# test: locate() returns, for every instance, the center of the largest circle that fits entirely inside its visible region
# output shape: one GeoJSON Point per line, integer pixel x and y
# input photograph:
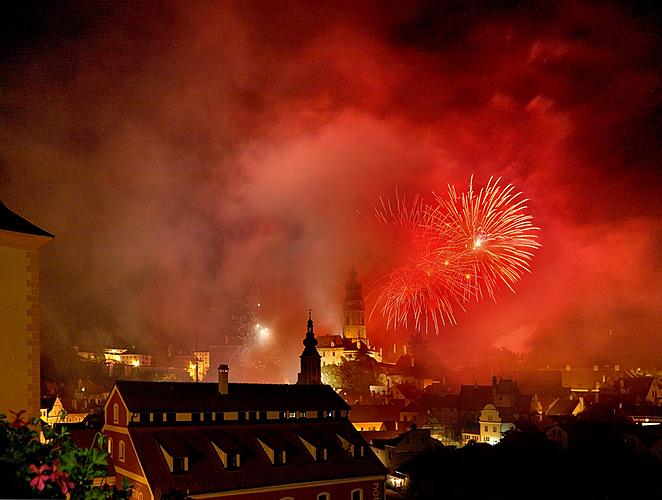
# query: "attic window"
{"type": "Point", "coordinates": [177, 464]}
{"type": "Point", "coordinates": [231, 459]}
{"type": "Point", "coordinates": [116, 413]}
{"type": "Point", "coordinates": [353, 450]}
{"type": "Point", "coordinates": [276, 456]}
{"type": "Point", "coordinates": [318, 452]}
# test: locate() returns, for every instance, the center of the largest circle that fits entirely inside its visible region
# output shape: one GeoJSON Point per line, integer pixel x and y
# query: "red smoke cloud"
{"type": "Point", "coordinates": [188, 156]}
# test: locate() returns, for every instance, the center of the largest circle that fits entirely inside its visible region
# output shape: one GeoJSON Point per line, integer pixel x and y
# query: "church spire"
{"type": "Point", "coordinates": [310, 358]}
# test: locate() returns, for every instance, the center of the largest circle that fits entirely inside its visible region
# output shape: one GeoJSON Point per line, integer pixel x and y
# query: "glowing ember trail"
{"type": "Point", "coordinates": [459, 250]}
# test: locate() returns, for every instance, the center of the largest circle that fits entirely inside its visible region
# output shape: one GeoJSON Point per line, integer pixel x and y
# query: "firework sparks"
{"type": "Point", "coordinates": [489, 232]}
{"type": "Point", "coordinates": [463, 248]}
{"type": "Point", "coordinates": [417, 287]}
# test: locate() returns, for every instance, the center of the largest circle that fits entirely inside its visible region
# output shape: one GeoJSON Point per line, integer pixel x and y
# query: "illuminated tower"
{"type": "Point", "coordinates": [310, 358]}
{"type": "Point", "coordinates": [19, 313]}
{"type": "Point", "coordinates": [354, 308]}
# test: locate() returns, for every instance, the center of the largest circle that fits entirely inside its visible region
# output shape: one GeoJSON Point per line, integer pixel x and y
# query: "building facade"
{"type": "Point", "coordinates": [20, 242]}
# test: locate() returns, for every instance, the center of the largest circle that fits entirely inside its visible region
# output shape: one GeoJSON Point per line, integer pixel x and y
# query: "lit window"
{"type": "Point", "coordinates": [122, 451]}
{"type": "Point", "coordinates": [116, 413]}
{"type": "Point", "coordinates": [357, 494]}
{"type": "Point", "coordinates": [110, 446]}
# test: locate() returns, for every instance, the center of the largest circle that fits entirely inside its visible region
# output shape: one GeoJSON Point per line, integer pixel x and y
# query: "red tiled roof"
{"type": "Point", "coordinates": [204, 397]}
{"type": "Point", "coordinates": [326, 340]}
{"type": "Point", "coordinates": [207, 474]}
{"type": "Point", "coordinates": [374, 413]}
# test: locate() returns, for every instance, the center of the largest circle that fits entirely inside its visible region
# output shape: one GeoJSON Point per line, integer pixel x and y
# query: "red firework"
{"type": "Point", "coordinates": [463, 248]}
{"type": "Point", "coordinates": [416, 286]}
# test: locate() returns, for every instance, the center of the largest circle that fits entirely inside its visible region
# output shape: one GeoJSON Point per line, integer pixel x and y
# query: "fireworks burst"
{"type": "Point", "coordinates": [461, 249]}
{"type": "Point", "coordinates": [416, 288]}
{"type": "Point", "coordinates": [489, 232]}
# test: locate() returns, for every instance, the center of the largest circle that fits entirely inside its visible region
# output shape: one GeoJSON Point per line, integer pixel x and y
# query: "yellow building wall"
{"type": "Point", "coordinates": [19, 330]}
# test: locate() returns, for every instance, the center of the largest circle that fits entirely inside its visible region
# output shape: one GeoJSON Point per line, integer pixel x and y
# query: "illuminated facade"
{"type": "Point", "coordinates": [354, 309]}
{"type": "Point", "coordinates": [354, 342]}
{"type": "Point", "coordinates": [19, 312]}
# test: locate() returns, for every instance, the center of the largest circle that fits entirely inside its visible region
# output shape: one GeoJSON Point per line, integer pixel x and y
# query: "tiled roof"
{"type": "Point", "coordinates": [638, 385]}
{"type": "Point", "coordinates": [207, 474]}
{"type": "Point", "coordinates": [407, 390]}
{"type": "Point", "coordinates": [326, 340]}
{"type": "Point", "coordinates": [475, 397]}
{"type": "Point", "coordinates": [562, 407]}
{"type": "Point", "coordinates": [9, 221]}
{"type": "Point", "coordinates": [432, 401]}
{"type": "Point", "coordinates": [374, 413]}
{"type": "Point", "coordinates": [204, 397]}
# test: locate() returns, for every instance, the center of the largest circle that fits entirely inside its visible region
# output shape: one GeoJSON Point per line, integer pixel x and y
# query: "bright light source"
{"type": "Point", "coordinates": [262, 332]}
{"type": "Point", "coordinates": [135, 362]}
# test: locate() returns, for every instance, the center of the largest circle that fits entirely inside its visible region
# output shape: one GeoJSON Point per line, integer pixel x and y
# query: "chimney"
{"type": "Point", "coordinates": [223, 379]}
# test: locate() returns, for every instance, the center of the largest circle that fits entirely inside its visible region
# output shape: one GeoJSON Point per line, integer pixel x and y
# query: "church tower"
{"type": "Point", "coordinates": [354, 309]}
{"type": "Point", "coordinates": [310, 358]}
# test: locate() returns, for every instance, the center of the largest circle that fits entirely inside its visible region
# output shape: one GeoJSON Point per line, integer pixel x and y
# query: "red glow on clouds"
{"type": "Point", "coordinates": [185, 156]}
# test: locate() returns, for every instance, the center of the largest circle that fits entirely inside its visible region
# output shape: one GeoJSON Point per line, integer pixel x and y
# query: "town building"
{"type": "Point", "coordinates": [354, 341]}
{"type": "Point", "coordinates": [20, 242]}
{"type": "Point", "coordinates": [235, 440]}
{"type": "Point", "coordinates": [53, 412]}
{"type": "Point", "coordinates": [395, 451]}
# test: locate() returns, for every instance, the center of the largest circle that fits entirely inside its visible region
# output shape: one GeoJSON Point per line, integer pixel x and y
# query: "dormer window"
{"type": "Point", "coordinates": [318, 451]}
{"type": "Point", "coordinates": [230, 458]}
{"type": "Point", "coordinates": [116, 413]}
{"type": "Point", "coordinates": [178, 463]}
{"type": "Point", "coordinates": [277, 455]}
{"type": "Point", "coordinates": [280, 458]}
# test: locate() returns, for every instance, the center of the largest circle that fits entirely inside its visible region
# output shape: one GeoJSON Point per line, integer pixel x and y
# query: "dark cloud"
{"type": "Point", "coordinates": [186, 155]}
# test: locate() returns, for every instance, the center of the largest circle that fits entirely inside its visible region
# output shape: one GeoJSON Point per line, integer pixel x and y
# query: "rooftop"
{"type": "Point", "coordinates": [206, 472]}
{"type": "Point", "coordinates": [9, 221]}
{"type": "Point", "coordinates": [205, 397]}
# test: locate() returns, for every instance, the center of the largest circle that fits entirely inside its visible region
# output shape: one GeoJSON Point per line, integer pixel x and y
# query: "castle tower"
{"type": "Point", "coordinates": [354, 308]}
{"type": "Point", "coordinates": [311, 371]}
{"type": "Point", "coordinates": [19, 313]}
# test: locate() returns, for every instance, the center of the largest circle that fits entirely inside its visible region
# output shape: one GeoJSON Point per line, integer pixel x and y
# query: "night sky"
{"type": "Point", "coordinates": [194, 159]}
